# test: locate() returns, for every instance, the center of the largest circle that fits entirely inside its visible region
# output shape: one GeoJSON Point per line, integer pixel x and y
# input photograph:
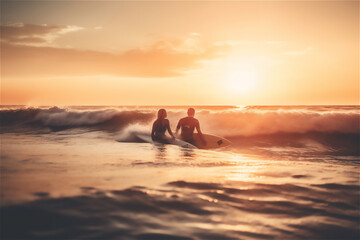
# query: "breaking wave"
{"type": "Point", "coordinates": [57, 119]}
{"type": "Point", "coordinates": [255, 122]}
{"type": "Point", "coordinates": [322, 129]}
{"type": "Point", "coordinates": [250, 121]}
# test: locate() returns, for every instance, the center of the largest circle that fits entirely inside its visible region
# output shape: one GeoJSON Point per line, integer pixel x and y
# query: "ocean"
{"type": "Point", "coordinates": [291, 172]}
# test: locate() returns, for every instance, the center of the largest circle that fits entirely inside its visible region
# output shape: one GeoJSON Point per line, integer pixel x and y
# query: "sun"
{"type": "Point", "coordinates": [241, 80]}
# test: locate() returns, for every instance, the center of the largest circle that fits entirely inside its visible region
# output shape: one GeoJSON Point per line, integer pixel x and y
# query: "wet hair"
{"type": "Point", "coordinates": [191, 112]}
{"type": "Point", "coordinates": [162, 113]}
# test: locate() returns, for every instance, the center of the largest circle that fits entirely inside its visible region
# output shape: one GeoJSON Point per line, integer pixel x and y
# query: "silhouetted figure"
{"type": "Point", "coordinates": [160, 126]}
{"type": "Point", "coordinates": [187, 125]}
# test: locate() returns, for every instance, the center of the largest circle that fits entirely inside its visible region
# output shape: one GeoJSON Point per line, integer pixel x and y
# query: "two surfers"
{"type": "Point", "coordinates": [187, 125]}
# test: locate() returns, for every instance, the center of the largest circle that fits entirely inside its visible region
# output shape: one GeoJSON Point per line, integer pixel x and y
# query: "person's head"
{"type": "Point", "coordinates": [162, 114]}
{"type": "Point", "coordinates": [191, 112]}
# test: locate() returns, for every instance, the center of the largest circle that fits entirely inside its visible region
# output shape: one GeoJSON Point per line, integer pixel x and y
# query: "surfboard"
{"type": "Point", "coordinates": [211, 141]}
{"type": "Point", "coordinates": [146, 137]}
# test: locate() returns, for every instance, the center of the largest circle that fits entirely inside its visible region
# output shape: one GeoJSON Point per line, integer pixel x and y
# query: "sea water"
{"type": "Point", "coordinates": [292, 172]}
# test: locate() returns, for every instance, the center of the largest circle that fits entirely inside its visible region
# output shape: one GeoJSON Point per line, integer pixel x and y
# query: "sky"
{"type": "Point", "coordinates": [179, 52]}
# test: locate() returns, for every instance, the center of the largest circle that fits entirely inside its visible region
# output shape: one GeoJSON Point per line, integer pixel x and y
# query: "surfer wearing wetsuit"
{"type": "Point", "coordinates": [187, 125]}
{"type": "Point", "coordinates": [160, 126]}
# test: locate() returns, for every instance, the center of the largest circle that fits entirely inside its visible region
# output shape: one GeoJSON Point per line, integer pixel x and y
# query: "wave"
{"type": "Point", "coordinates": [213, 208]}
{"type": "Point", "coordinates": [255, 122]}
{"type": "Point", "coordinates": [274, 130]}
{"type": "Point", "coordinates": [231, 122]}
{"type": "Point", "coordinates": [57, 119]}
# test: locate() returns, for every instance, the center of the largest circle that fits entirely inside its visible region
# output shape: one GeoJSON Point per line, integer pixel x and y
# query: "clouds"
{"type": "Point", "coordinates": [30, 50]}
{"type": "Point", "coordinates": [266, 46]}
{"type": "Point", "coordinates": [298, 52]}
{"type": "Point", "coordinates": [33, 35]}
{"type": "Point", "coordinates": [233, 43]}
{"type": "Point", "coordinates": [26, 51]}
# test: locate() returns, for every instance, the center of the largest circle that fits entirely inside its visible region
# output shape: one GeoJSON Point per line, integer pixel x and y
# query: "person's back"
{"type": "Point", "coordinates": [187, 125]}
{"type": "Point", "coordinates": [160, 125]}
{"type": "Point", "coordinates": [159, 128]}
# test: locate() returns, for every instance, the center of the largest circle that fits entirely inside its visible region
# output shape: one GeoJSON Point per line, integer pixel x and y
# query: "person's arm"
{"type": "Point", "coordinates": [169, 129]}
{"type": "Point", "coordinates": [197, 126]}
{"type": "Point", "coordinates": [153, 130]}
{"type": "Point", "coordinates": [178, 127]}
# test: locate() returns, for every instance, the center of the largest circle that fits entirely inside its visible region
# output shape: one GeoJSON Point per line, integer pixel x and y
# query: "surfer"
{"type": "Point", "coordinates": [187, 125]}
{"type": "Point", "coordinates": [160, 126]}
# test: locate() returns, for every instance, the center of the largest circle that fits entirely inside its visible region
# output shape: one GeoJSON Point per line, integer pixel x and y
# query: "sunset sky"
{"type": "Point", "coordinates": [179, 53]}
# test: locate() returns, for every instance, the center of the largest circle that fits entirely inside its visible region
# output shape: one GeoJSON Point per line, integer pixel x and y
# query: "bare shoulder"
{"type": "Point", "coordinates": [156, 123]}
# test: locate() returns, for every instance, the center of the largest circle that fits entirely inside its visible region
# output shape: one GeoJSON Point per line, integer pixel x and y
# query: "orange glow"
{"type": "Point", "coordinates": [180, 53]}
